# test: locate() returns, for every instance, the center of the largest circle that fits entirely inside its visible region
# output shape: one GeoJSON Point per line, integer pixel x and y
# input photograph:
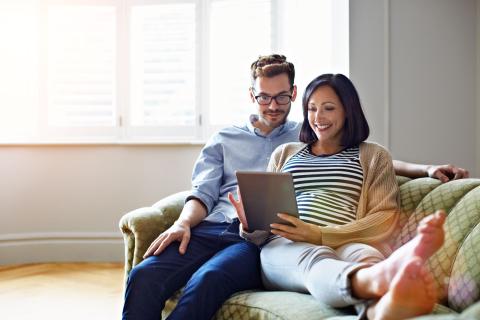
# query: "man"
{"type": "Point", "coordinates": [202, 251]}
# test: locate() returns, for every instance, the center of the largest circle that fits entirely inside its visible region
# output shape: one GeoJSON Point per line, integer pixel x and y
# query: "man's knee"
{"type": "Point", "coordinates": [141, 275]}
{"type": "Point", "coordinates": [237, 267]}
{"type": "Point", "coordinates": [248, 252]}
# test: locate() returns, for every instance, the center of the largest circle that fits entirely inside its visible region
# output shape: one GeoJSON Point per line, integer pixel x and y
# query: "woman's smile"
{"type": "Point", "coordinates": [326, 116]}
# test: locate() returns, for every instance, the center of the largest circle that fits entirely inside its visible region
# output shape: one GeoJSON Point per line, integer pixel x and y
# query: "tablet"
{"type": "Point", "coordinates": [264, 194]}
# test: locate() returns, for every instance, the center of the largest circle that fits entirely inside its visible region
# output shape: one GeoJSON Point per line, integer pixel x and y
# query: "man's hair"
{"type": "Point", "coordinates": [271, 66]}
{"type": "Point", "coordinates": [355, 128]}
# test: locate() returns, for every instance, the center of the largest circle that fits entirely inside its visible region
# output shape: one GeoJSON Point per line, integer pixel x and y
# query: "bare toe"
{"type": "Point", "coordinates": [409, 294]}
{"type": "Point", "coordinates": [429, 239]}
{"type": "Point", "coordinates": [436, 219]}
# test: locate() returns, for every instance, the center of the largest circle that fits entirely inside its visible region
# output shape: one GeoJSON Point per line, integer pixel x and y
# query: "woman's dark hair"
{"type": "Point", "coordinates": [355, 128]}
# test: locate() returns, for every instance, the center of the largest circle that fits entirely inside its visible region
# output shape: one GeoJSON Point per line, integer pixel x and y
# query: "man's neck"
{"type": "Point", "coordinates": [264, 128]}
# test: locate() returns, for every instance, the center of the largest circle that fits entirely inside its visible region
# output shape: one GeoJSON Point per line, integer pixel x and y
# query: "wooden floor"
{"type": "Point", "coordinates": [61, 291]}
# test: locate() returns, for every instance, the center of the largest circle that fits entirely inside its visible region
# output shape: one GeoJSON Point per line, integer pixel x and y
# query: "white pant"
{"type": "Point", "coordinates": [319, 270]}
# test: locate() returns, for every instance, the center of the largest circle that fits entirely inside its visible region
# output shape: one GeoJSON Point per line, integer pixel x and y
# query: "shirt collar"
{"type": "Point", "coordinates": [275, 132]}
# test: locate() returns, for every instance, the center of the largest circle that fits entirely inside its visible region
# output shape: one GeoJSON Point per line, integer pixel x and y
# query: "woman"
{"type": "Point", "coordinates": [347, 199]}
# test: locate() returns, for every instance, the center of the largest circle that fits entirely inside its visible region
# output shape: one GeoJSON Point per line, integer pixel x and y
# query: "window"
{"type": "Point", "coordinates": [239, 32]}
{"type": "Point", "coordinates": [81, 61]}
{"type": "Point", "coordinates": [19, 65]}
{"type": "Point", "coordinates": [152, 70]}
{"type": "Point", "coordinates": [163, 83]}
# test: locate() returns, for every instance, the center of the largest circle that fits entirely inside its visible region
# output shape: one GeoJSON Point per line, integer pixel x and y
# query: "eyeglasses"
{"type": "Point", "coordinates": [280, 99]}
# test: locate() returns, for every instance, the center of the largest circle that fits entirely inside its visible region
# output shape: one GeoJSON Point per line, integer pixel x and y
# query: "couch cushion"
{"type": "Point", "coordinates": [282, 305]}
{"type": "Point", "coordinates": [461, 200]}
{"type": "Point", "coordinates": [411, 193]}
{"type": "Point", "coordinates": [276, 305]}
{"type": "Point", "coordinates": [464, 280]}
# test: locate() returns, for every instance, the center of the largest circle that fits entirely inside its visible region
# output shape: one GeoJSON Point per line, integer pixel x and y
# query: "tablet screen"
{"type": "Point", "coordinates": [264, 194]}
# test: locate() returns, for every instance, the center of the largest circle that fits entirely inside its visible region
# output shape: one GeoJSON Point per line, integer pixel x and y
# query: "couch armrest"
{"type": "Point", "coordinates": [141, 226]}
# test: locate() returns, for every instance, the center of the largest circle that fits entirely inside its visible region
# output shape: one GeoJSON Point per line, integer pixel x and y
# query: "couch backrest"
{"type": "Point", "coordinates": [456, 266]}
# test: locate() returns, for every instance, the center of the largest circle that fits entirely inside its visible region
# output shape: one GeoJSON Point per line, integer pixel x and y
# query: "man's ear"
{"type": "Point", "coordinates": [294, 93]}
{"type": "Point", "coordinates": [252, 96]}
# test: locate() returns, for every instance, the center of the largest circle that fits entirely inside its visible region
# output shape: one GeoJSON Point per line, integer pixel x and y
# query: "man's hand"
{"type": "Point", "coordinates": [238, 205]}
{"type": "Point", "coordinates": [447, 172]}
{"type": "Point", "coordinates": [301, 232]}
{"type": "Point", "coordinates": [178, 232]}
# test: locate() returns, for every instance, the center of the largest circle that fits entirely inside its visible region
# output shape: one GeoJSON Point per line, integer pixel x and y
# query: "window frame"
{"type": "Point", "coordinates": [88, 134]}
{"type": "Point", "coordinates": [122, 131]}
{"type": "Point", "coordinates": [161, 134]}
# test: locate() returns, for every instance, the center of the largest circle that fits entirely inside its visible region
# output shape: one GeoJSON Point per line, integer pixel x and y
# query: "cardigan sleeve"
{"type": "Point", "coordinates": [378, 219]}
{"type": "Point", "coordinates": [281, 155]}
{"type": "Point", "coordinates": [273, 163]}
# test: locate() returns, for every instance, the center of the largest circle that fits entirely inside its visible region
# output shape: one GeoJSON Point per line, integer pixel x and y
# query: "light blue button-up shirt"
{"type": "Point", "coordinates": [231, 149]}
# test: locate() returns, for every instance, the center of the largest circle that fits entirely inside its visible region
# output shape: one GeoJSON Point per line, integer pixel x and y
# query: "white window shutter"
{"type": "Point", "coordinates": [240, 31]}
{"type": "Point", "coordinates": [81, 66]}
{"type": "Point", "coordinates": [163, 65]}
{"type": "Point", "coordinates": [19, 63]}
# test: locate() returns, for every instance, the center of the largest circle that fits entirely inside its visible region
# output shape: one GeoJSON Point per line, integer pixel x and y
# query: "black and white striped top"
{"type": "Point", "coordinates": [327, 187]}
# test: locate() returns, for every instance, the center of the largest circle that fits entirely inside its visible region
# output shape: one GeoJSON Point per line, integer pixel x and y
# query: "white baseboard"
{"type": "Point", "coordinates": [61, 247]}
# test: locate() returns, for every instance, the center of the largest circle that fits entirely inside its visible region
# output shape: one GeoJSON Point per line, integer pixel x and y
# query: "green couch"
{"type": "Point", "coordinates": [456, 266]}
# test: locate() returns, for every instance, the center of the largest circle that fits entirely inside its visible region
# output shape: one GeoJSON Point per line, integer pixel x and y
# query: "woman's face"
{"type": "Point", "coordinates": [326, 115]}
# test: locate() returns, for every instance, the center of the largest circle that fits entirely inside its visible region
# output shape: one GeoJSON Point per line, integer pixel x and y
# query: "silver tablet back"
{"type": "Point", "coordinates": [264, 194]}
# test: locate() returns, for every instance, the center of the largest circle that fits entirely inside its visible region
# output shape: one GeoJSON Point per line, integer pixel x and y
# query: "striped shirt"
{"type": "Point", "coordinates": [327, 188]}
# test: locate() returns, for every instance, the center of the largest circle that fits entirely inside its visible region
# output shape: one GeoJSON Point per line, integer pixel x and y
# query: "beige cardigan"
{"type": "Point", "coordinates": [377, 211]}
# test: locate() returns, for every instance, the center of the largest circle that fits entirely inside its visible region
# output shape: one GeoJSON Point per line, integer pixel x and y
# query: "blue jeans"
{"type": "Point", "coordinates": [217, 264]}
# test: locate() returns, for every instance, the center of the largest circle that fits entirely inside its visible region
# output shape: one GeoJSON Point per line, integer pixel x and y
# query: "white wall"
{"type": "Point", "coordinates": [413, 62]}
{"type": "Point", "coordinates": [433, 81]}
{"type": "Point", "coordinates": [477, 87]}
{"type": "Point", "coordinates": [369, 62]}
{"type": "Point", "coordinates": [63, 203]}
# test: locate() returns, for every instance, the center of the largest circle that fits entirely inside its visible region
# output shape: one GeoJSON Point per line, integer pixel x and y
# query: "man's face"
{"type": "Point", "coordinates": [273, 114]}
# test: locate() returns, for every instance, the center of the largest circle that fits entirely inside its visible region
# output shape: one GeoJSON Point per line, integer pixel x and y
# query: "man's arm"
{"type": "Point", "coordinates": [206, 180]}
{"type": "Point", "coordinates": [192, 214]}
{"type": "Point", "coordinates": [444, 173]}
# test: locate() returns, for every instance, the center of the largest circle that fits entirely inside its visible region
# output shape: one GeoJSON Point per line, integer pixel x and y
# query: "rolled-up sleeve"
{"type": "Point", "coordinates": [208, 174]}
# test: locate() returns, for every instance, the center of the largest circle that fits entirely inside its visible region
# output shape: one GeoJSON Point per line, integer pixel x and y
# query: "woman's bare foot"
{"type": "Point", "coordinates": [374, 281]}
{"type": "Point", "coordinates": [411, 293]}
